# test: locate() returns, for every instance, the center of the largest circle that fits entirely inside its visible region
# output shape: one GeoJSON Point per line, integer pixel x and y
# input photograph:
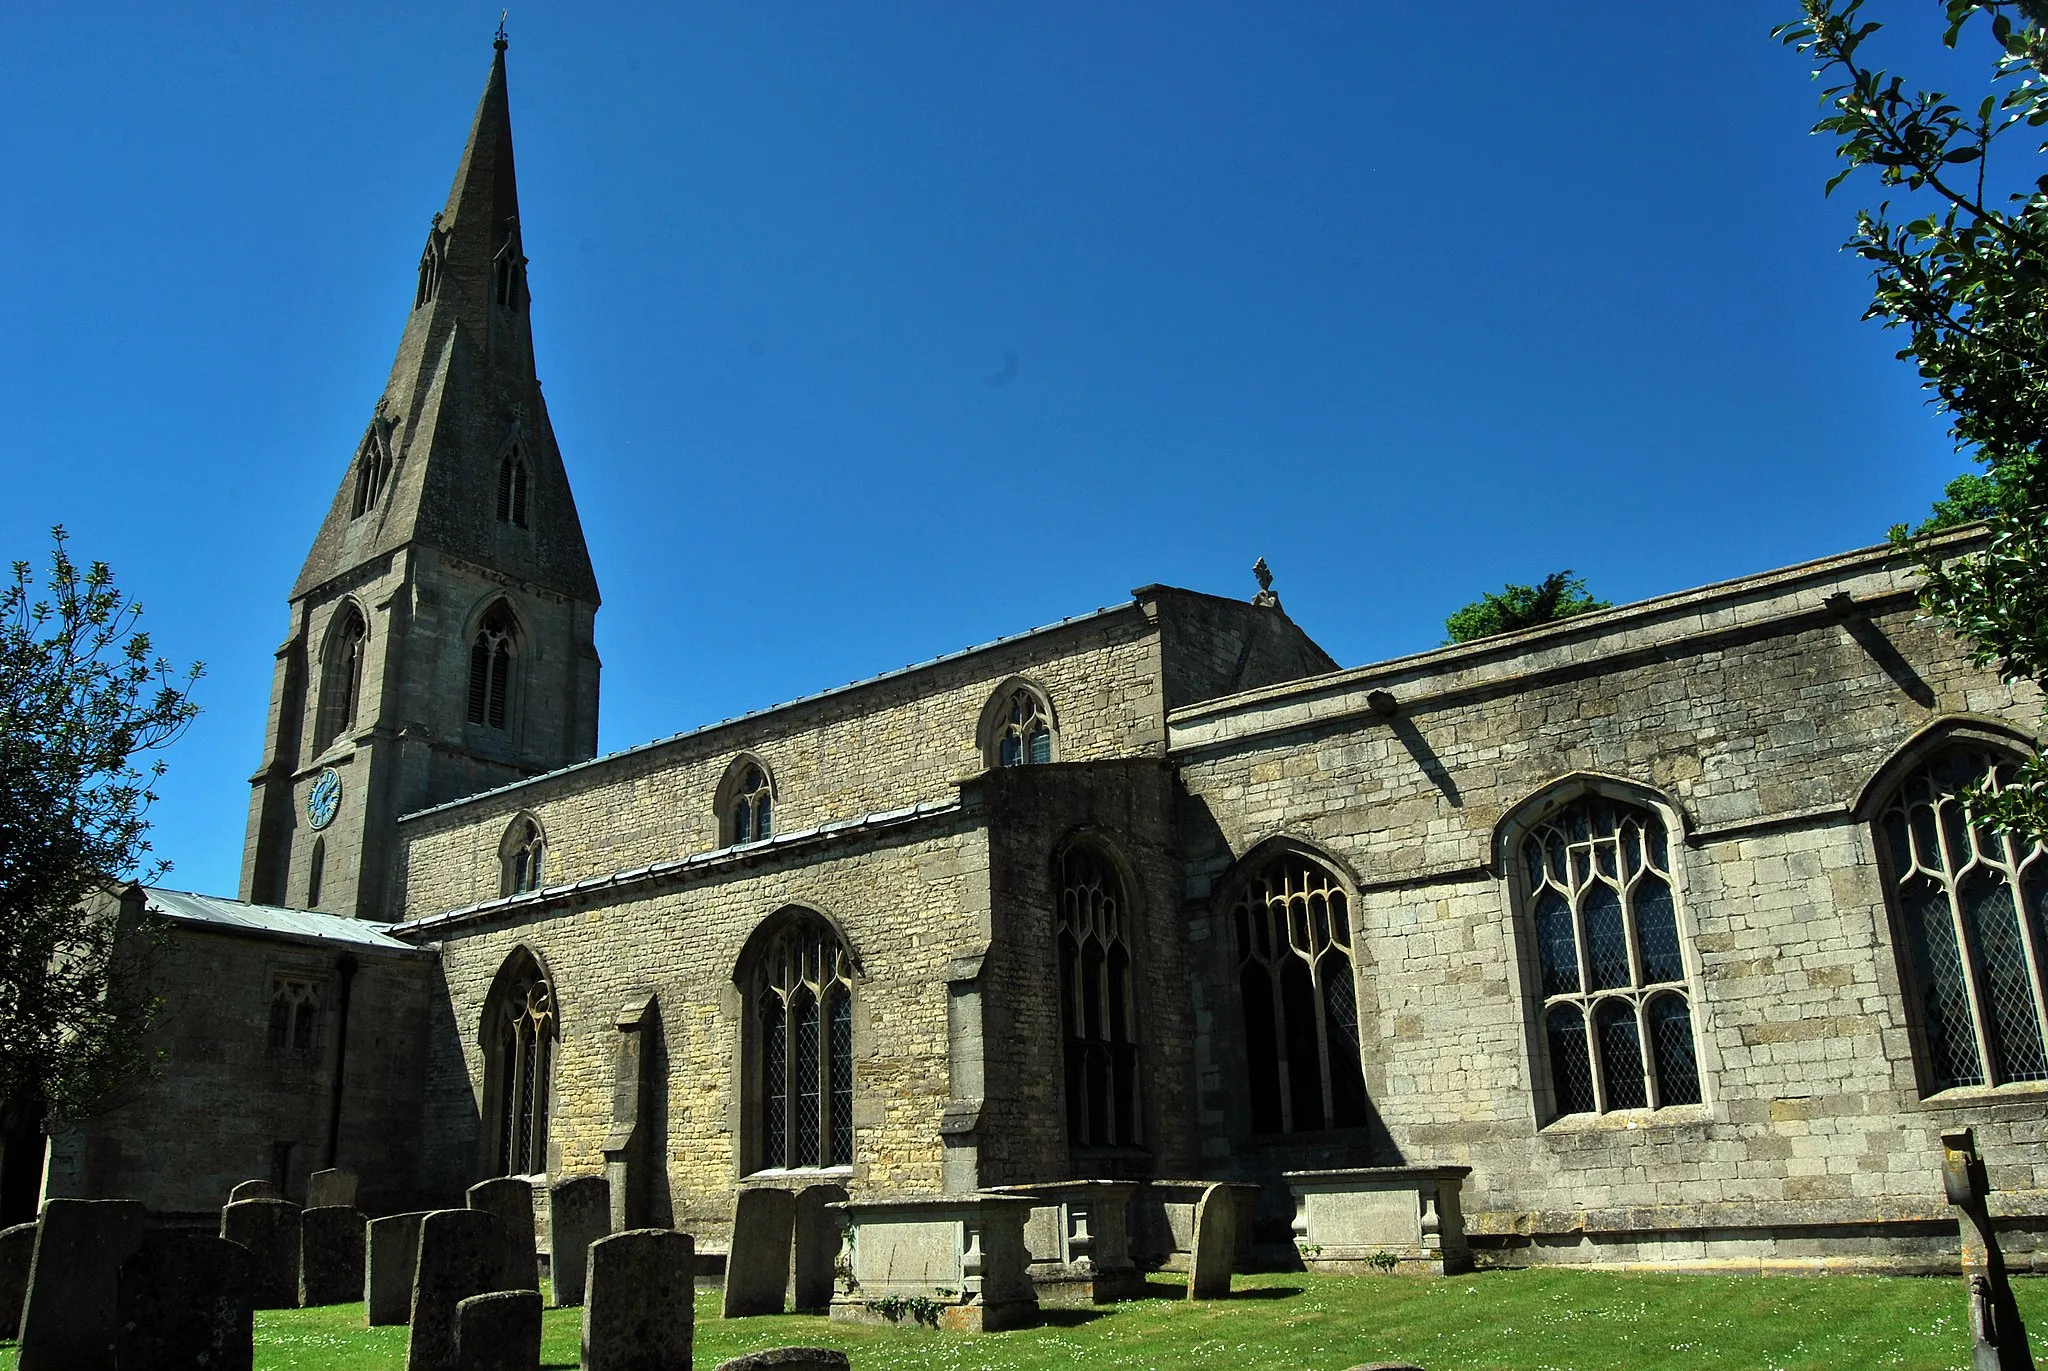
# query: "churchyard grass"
{"type": "Point", "coordinates": [1509, 1321]}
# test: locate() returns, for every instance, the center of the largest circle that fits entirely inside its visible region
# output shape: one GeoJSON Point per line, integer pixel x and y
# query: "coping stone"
{"type": "Point", "coordinates": [757, 1262]}
{"type": "Point", "coordinates": [462, 1252]}
{"type": "Point", "coordinates": [579, 1213]}
{"type": "Point", "coordinates": [17, 1253]}
{"type": "Point", "coordinates": [789, 1359]}
{"type": "Point", "coordinates": [68, 1319]}
{"type": "Point", "coordinates": [510, 1200]}
{"type": "Point", "coordinates": [333, 1188]}
{"type": "Point", "coordinates": [331, 1255]}
{"type": "Point", "coordinates": [183, 1302]}
{"type": "Point", "coordinates": [498, 1332]}
{"type": "Point", "coordinates": [391, 1246]}
{"type": "Point", "coordinates": [639, 1303]}
{"type": "Point", "coordinates": [270, 1230]}
{"type": "Point", "coordinates": [1215, 1244]}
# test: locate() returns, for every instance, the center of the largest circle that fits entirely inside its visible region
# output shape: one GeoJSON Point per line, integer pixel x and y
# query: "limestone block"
{"type": "Point", "coordinates": [183, 1302]}
{"type": "Point", "coordinates": [332, 1188]}
{"type": "Point", "coordinates": [1215, 1247]}
{"type": "Point", "coordinates": [789, 1359]}
{"type": "Point", "coordinates": [1381, 1218]}
{"type": "Point", "coordinates": [639, 1302]}
{"type": "Point", "coordinates": [509, 1200]}
{"type": "Point", "coordinates": [254, 1190]}
{"type": "Point", "coordinates": [17, 1251]}
{"type": "Point", "coordinates": [579, 1213]}
{"type": "Point", "coordinates": [69, 1317]}
{"type": "Point", "coordinates": [330, 1255]}
{"type": "Point", "coordinates": [391, 1246]}
{"type": "Point", "coordinates": [498, 1332]}
{"type": "Point", "coordinates": [270, 1230]}
{"type": "Point", "coordinates": [960, 1256]}
{"type": "Point", "coordinates": [461, 1253]}
{"type": "Point", "coordinates": [757, 1263]}
{"type": "Point", "coordinates": [815, 1248]}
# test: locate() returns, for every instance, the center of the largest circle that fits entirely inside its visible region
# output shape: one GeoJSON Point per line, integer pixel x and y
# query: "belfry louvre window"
{"type": "Point", "coordinates": [1972, 904]}
{"type": "Point", "coordinates": [490, 668]}
{"type": "Point", "coordinates": [341, 677]}
{"type": "Point", "coordinates": [803, 1003]}
{"type": "Point", "coordinates": [1097, 1011]}
{"type": "Point", "coordinates": [1617, 1025]}
{"type": "Point", "coordinates": [752, 807]}
{"type": "Point", "coordinates": [520, 1024]}
{"type": "Point", "coordinates": [512, 489]}
{"type": "Point", "coordinates": [1025, 733]}
{"type": "Point", "coordinates": [1293, 929]}
{"type": "Point", "coordinates": [294, 1015]}
{"type": "Point", "coordinates": [373, 469]}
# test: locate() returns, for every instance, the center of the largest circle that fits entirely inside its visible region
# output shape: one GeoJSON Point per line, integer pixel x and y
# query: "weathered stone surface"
{"type": "Point", "coordinates": [331, 1255]}
{"type": "Point", "coordinates": [333, 1188]}
{"type": "Point", "coordinates": [579, 1213]}
{"type": "Point", "coordinates": [815, 1248]}
{"type": "Point", "coordinates": [68, 1319]}
{"type": "Point", "coordinates": [639, 1304]}
{"type": "Point", "coordinates": [1387, 1219]}
{"type": "Point", "coordinates": [961, 1258]}
{"type": "Point", "coordinates": [461, 1253]}
{"type": "Point", "coordinates": [255, 1190]}
{"type": "Point", "coordinates": [17, 1253]}
{"type": "Point", "coordinates": [270, 1230]}
{"type": "Point", "coordinates": [1215, 1249]}
{"type": "Point", "coordinates": [757, 1262]}
{"type": "Point", "coordinates": [509, 1200]}
{"type": "Point", "coordinates": [789, 1359]}
{"type": "Point", "coordinates": [498, 1332]}
{"type": "Point", "coordinates": [391, 1246]}
{"type": "Point", "coordinates": [183, 1303]}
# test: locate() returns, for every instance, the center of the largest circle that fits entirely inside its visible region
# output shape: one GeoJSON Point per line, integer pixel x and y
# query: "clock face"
{"type": "Point", "coordinates": [324, 799]}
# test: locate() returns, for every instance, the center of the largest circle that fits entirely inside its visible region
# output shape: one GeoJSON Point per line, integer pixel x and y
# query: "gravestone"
{"type": "Point", "coordinates": [815, 1250]}
{"type": "Point", "coordinates": [255, 1190]}
{"type": "Point", "coordinates": [498, 1332]}
{"type": "Point", "coordinates": [639, 1304]}
{"type": "Point", "coordinates": [1215, 1245]}
{"type": "Point", "coordinates": [67, 1320]}
{"type": "Point", "coordinates": [1999, 1338]}
{"type": "Point", "coordinates": [579, 1213]}
{"type": "Point", "coordinates": [331, 1189]}
{"type": "Point", "coordinates": [509, 1200]}
{"type": "Point", "coordinates": [183, 1302]}
{"type": "Point", "coordinates": [270, 1230]}
{"type": "Point", "coordinates": [757, 1263]}
{"type": "Point", "coordinates": [330, 1255]}
{"type": "Point", "coordinates": [17, 1250]}
{"type": "Point", "coordinates": [390, 1247]}
{"type": "Point", "coordinates": [461, 1254]}
{"type": "Point", "coordinates": [789, 1359]}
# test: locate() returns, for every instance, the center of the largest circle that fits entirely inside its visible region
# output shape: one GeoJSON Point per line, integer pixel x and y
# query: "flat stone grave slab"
{"type": "Point", "coordinates": [330, 1255]}
{"type": "Point", "coordinates": [333, 1188]}
{"type": "Point", "coordinates": [955, 1261]}
{"type": "Point", "coordinates": [461, 1253]}
{"type": "Point", "coordinates": [270, 1230]}
{"type": "Point", "coordinates": [69, 1317]}
{"type": "Point", "coordinates": [498, 1332]}
{"type": "Point", "coordinates": [391, 1246]}
{"type": "Point", "coordinates": [579, 1213]}
{"type": "Point", "coordinates": [757, 1262]}
{"type": "Point", "coordinates": [17, 1252]}
{"type": "Point", "coordinates": [1405, 1220]}
{"type": "Point", "coordinates": [183, 1302]}
{"type": "Point", "coordinates": [509, 1200]}
{"type": "Point", "coordinates": [639, 1302]}
{"type": "Point", "coordinates": [789, 1359]}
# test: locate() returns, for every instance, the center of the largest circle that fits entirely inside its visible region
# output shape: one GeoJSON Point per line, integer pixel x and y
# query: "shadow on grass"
{"type": "Point", "coordinates": [1266, 1292]}
{"type": "Point", "coordinates": [1069, 1318]}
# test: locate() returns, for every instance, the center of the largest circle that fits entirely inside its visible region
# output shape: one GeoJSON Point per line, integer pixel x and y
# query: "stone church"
{"type": "Point", "coordinates": [1665, 921]}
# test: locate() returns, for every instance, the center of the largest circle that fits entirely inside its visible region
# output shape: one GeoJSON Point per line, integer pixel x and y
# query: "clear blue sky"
{"type": "Point", "coordinates": [1410, 300]}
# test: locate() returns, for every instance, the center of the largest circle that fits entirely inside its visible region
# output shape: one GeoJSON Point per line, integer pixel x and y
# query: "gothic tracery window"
{"type": "Point", "coordinates": [294, 1015]}
{"type": "Point", "coordinates": [520, 1037]}
{"type": "Point", "coordinates": [1023, 732]}
{"type": "Point", "coordinates": [373, 468]}
{"type": "Point", "coordinates": [802, 1002]}
{"type": "Point", "coordinates": [341, 676]}
{"type": "Point", "coordinates": [521, 854]}
{"type": "Point", "coordinates": [1972, 904]}
{"type": "Point", "coordinates": [752, 807]}
{"type": "Point", "coordinates": [1098, 1014]}
{"type": "Point", "coordinates": [512, 489]}
{"type": "Point", "coordinates": [1293, 928]}
{"type": "Point", "coordinates": [490, 668]}
{"type": "Point", "coordinates": [1616, 1019]}
{"type": "Point", "coordinates": [508, 275]}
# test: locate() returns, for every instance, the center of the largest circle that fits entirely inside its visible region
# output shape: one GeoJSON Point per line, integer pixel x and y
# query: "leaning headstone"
{"type": "Point", "coordinates": [17, 1250]}
{"type": "Point", "coordinates": [579, 1213]}
{"type": "Point", "coordinates": [498, 1332]}
{"type": "Point", "coordinates": [815, 1251]}
{"type": "Point", "coordinates": [461, 1254]}
{"type": "Point", "coordinates": [1215, 1245]}
{"type": "Point", "coordinates": [67, 1321]}
{"type": "Point", "coordinates": [757, 1263]}
{"type": "Point", "coordinates": [254, 1190]}
{"type": "Point", "coordinates": [1998, 1336]}
{"type": "Point", "coordinates": [184, 1303]}
{"type": "Point", "coordinates": [330, 1255]}
{"type": "Point", "coordinates": [510, 1201]}
{"type": "Point", "coordinates": [639, 1305]}
{"type": "Point", "coordinates": [270, 1230]}
{"type": "Point", "coordinates": [331, 1189]}
{"type": "Point", "coordinates": [390, 1248]}
{"type": "Point", "coordinates": [789, 1359]}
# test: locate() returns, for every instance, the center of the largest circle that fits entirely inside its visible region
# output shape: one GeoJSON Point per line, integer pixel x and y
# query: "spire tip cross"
{"type": "Point", "coordinates": [500, 42]}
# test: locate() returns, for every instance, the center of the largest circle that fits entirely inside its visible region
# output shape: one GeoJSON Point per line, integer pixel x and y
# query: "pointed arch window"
{"type": "Point", "coordinates": [430, 266]}
{"type": "Point", "coordinates": [490, 667]}
{"type": "Point", "coordinates": [1601, 910]}
{"type": "Point", "coordinates": [373, 470]}
{"type": "Point", "coordinates": [512, 479]}
{"type": "Point", "coordinates": [1098, 1010]}
{"type": "Point", "coordinates": [519, 1043]}
{"type": "Point", "coordinates": [746, 803]}
{"type": "Point", "coordinates": [522, 856]}
{"type": "Point", "coordinates": [341, 676]}
{"type": "Point", "coordinates": [1293, 926]}
{"type": "Point", "coordinates": [1021, 731]}
{"type": "Point", "coordinates": [294, 1014]}
{"type": "Point", "coordinates": [508, 276]}
{"type": "Point", "coordinates": [1972, 904]}
{"type": "Point", "coordinates": [801, 1000]}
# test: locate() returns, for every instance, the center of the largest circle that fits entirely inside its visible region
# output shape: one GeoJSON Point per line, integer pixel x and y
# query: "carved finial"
{"type": "Point", "coordinates": [1265, 599]}
{"type": "Point", "coordinates": [500, 43]}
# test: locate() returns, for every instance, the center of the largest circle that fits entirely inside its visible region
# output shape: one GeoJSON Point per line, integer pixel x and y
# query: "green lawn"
{"type": "Point", "coordinates": [1509, 1321]}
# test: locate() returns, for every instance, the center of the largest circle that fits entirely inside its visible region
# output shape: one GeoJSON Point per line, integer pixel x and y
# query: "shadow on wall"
{"type": "Point", "coordinates": [451, 1130]}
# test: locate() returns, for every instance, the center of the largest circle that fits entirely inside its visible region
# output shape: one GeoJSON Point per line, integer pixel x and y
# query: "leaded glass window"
{"type": "Point", "coordinates": [490, 668]}
{"type": "Point", "coordinates": [294, 1015]}
{"type": "Point", "coordinates": [521, 1025]}
{"type": "Point", "coordinates": [803, 1005]}
{"type": "Point", "coordinates": [524, 853]}
{"type": "Point", "coordinates": [373, 469]}
{"type": "Point", "coordinates": [1617, 1023]}
{"type": "Point", "coordinates": [1098, 1014]}
{"type": "Point", "coordinates": [1024, 733]}
{"type": "Point", "coordinates": [752, 807]}
{"type": "Point", "coordinates": [1973, 907]}
{"type": "Point", "coordinates": [1293, 930]}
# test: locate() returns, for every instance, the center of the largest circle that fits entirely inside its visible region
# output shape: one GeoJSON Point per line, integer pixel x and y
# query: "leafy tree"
{"type": "Point", "coordinates": [1966, 500]}
{"type": "Point", "coordinates": [1560, 596]}
{"type": "Point", "coordinates": [1962, 267]}
{"type": "Point", "coordinates": [81, 699]}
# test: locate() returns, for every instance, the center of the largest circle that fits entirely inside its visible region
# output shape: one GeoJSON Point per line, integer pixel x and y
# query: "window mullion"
{"type": "Point", "coordinates": [2036, 955]}
{"type": "Point", "coordinates": [1646, 1052]}
{"type": "Point", "coordinates": [1280, 1040]}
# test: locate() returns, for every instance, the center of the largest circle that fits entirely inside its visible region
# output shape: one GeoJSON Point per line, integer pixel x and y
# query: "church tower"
{"type": "Point", "coordinates": [441, 628]}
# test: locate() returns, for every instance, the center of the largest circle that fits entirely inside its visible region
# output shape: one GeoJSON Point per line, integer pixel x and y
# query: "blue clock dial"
{"type": "Point", "coordinates": [324, 800]}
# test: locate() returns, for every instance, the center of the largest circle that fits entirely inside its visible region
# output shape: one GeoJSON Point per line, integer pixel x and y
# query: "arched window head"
{"type": "Point", "coordinates": [512, 489]}
{"type": "Point", "coordinates": [1972, 904]}
{"type": "Point", "coordinates": [800, 998]}
{"type": "Point", "coordinates": [341, 676]}
{"type": "Point", "coordinates": [746, 803]}
{"type": "Point", "coordinates": [373, 469]}
{"type": "Point", "coordinates": [1599, 905]}
{"type": "Point", "coordinates": [1019, 728]}
{"type": "Point", "coordinates": [519, 1031]}
{"type": "Point", "coordinates": [1098, 1011]}
{"type": "Point", "coordinates": [522, 856]}
{"type": "Point", "coordinates": [490, 667]}
{"type": "Point", "coordinates": [1292, 922]}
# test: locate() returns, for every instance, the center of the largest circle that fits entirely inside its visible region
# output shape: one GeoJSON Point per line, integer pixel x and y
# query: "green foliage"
{"type": "Point", "coordinates": [81, 698]}
{"type": "Point", "coordinates": [1963, 270]}
{"type": "Point", "coordinates": [1968, 499]}
{"type": "Point", "coordinates": [1560, 596]}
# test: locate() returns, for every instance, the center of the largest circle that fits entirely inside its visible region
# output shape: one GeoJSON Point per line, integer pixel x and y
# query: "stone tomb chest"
{"type": "Point", "coordinates": [1078, 1242]}
{"type": "Point", "coordinates": [950, 1261]}
{"type": "Point", "coordinates": [1403, 1219]}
